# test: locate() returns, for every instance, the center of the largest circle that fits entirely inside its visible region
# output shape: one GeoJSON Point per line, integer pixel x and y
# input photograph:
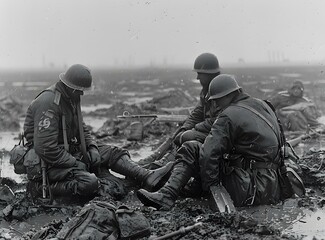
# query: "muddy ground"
{"type": "Point", "coordinates": [162, 91]}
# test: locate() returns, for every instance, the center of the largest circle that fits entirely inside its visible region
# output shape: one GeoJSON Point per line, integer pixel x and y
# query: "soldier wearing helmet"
{"type": "Point", "coordinates": [54, 128]}
{"type": "Point", "coordinates": [241, 151]}
{"type": "Point", "coordinates": [198, 124]}
{"type": "Point", "coordinates": [296, 112]}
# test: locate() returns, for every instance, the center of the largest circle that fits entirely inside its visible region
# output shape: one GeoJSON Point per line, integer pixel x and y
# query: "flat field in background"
{"type": "Point", "coordinates": [119, 84]}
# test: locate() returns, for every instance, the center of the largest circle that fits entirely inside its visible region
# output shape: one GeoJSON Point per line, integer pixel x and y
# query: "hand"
{"type": "Point", "coordinates": [177, 139]}
{"type": "Point", "coordinates": [95, 158]}
{"type": "Point", "coordinates": [80, 165]}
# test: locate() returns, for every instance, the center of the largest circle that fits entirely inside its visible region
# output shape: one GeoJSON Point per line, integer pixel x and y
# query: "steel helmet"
{"type": "Point", "coordinates": [77, 77]}
{"type": "Point", "coordinates": [221, 86]}
{"type": "Point", "coordinates": [206, 63]}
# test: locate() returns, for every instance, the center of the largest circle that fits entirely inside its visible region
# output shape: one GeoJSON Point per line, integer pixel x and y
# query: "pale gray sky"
{"type": "Point", "coordinates": [37, 33]}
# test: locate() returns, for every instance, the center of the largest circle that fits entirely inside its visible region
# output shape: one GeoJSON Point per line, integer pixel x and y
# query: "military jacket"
{"type": "Point", "coordinates": [238, 131]}
{"type": "Point", "coordinates": [44, 131]}
{"type": "Point", "coordinates": [200, 117]}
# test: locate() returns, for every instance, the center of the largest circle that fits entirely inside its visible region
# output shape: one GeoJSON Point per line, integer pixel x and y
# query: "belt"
{"type": "Point", "coordinates": [252, 164]}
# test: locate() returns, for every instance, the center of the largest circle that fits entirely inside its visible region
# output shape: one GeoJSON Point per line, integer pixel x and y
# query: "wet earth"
{"type": "Point", "coordinates": [167, 92]}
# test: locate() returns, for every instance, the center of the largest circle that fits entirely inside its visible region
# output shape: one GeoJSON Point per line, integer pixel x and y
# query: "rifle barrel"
{"type": "Point", "coordinates": [182, 230]}
{"type": "Point", "coordinates": [159, 118]}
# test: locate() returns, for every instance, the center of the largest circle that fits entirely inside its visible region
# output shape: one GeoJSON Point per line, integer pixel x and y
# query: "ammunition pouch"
{"type": "Point", "coordinates": [290, 183]}
{"type": "Point", "coordinates": [26, 161]}
{"type": "Point", "coordinates": [32, 163]}
{"type": "Point", "coordinates": [17, 155]}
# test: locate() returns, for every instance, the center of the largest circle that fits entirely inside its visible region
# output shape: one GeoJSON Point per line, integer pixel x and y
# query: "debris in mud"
{"type": "Point", "coordinates": [174, 98]}
{"type": "Point", "coordinates": [10, 111]}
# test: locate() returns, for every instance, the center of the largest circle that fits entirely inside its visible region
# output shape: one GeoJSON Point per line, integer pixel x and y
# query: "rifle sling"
{"type": "Point", "coordinates": [85, 158]}
{"type": "Point", "coordinates": [65, 138]}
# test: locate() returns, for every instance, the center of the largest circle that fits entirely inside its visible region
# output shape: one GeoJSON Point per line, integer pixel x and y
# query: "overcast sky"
{"type": "Point", "coordinates": [43, 33]}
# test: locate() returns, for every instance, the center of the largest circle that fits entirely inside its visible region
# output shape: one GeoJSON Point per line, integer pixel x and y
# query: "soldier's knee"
{"type": "Point", "coordinates": [88, 185]}
{"type": "Point", "coordinates": [191, 135]}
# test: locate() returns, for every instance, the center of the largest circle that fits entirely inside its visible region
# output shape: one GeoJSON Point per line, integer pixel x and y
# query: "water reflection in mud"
{"type": "Point", "coordinates": [311, 225]}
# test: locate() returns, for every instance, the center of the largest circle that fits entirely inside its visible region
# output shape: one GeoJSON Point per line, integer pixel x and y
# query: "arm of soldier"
{"type": "Point", "coordinates": [206, 125]}
{"type": "Point", "coordinates": [196, 116]}
{"type": "Point", "coordinates": [90, 140]}
{"type": "Point", "coordinates": [92, 148]}
{"type": "Point", "coordinates": [46, 134]}
{"type": "Point", "coordinates": [215, 146]}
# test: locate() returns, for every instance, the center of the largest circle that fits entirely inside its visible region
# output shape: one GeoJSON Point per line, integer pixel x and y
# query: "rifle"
{"type": "Point", "coordinates": [160, 118]}
{"type": "Point", "coordinates": [181, 231]}
{"type": "Point", "coordinates": [160, 151]}
{"type": "Point", "coordinates": [46, 190]}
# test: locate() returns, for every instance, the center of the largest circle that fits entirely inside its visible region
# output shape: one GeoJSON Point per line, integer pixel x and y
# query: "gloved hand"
{"type": "Point", "coordinates": [177, 139]}
{"type": "Point", "coordinates": [80, 165]}
{"type": "Point", "coordinates": [94, 157]}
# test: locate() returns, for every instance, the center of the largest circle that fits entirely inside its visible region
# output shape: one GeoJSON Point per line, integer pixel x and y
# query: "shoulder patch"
{"type": "Point", "coordinates": [57, 97]}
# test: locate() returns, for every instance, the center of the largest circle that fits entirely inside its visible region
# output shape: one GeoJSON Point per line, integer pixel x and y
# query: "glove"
{"type": "Point", "coordinates": [95, 158]}
{"type": "Point", "coordinates": [80, 165]}
{"type": "Point", "coordinates": [177, 139]}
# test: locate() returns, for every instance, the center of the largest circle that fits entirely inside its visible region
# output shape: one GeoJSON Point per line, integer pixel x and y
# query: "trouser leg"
{"type": "Point", "coordinates": [148, 179]}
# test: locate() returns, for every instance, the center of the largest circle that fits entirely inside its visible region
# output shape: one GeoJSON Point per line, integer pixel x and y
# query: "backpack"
{"type": "Point", "coordinates": [103, 220]}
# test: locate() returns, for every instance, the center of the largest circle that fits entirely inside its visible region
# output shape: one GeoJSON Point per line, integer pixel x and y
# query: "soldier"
{"type": "Point", "coordinates": [242, 151]}
{"type": "Point", "coordinates": [55, 129]}
{"type": "Point", "coordinates": [197, 126]}
{"type": "Point", "coordinates": [296, 112]}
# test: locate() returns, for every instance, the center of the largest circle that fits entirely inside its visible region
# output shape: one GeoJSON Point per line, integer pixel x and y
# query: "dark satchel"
{"type": "Point", "coordinates": [17, 155]}
{"type": "Point", "coordinates": [290, 182]}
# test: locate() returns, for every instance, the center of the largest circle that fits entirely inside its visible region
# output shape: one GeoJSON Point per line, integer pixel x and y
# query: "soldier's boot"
{"type": "Point", "coordinates": [168, 157]}
{"type": "Point", "coordinates": [62, 189]}
{"type": "Point", "coordinates": [148, 179]}
{"type": "Point", "coordinates": [165, 197]}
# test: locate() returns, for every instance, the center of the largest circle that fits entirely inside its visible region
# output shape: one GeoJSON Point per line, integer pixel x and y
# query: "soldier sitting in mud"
{"type": "Point", "coordinates": [242, 151]}
{"type": "Point", "coordinates": [198, 124]}
{"type": "Point", "coordinates": [296, 112]}
{"type": "Point", "coordinates": [55, 129]}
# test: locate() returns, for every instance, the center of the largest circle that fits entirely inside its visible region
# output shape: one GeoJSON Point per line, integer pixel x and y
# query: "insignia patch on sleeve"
{"type": "Point", "coordinates": [44, 123]}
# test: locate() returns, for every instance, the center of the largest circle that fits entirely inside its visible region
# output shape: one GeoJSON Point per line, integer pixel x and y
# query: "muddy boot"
{"type": "Point", "coordinates": [149, 179]}
{"type": "Point", "coordinates": [62, 189]}
{"type": "Point", "coordinates": [165, 198]}
{"type": "Point", "coordinates": [168, 157]}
